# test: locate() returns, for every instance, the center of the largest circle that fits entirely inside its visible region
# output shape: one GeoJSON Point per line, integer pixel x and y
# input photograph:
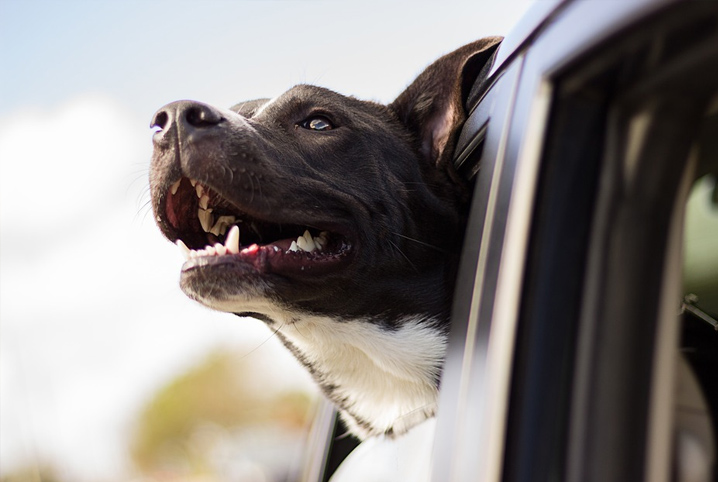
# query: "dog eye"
{"type": "Point", "coordinates": [318, 123]}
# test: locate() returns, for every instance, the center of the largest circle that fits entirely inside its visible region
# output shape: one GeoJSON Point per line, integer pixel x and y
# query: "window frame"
{"type": "Point", "coordinates": [479, 372]}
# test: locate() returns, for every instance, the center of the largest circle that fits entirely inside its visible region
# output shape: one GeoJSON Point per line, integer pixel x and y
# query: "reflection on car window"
{"type": "Point", "coordinates": [696, 392]}
{"type": "Point", "coordinates": [701, 247]}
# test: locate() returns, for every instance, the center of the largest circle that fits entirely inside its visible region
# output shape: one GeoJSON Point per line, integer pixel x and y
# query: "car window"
{"type": "Point", "coordinates": [700, 252]}
{"type": "Point", "coordinates": [696, 405]}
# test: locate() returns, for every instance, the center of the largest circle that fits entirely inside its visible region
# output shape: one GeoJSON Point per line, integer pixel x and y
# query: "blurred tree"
{"type": "Point", "coordinates": [185, 421]}
{"type": "Point", "coordinates": [39, 473]}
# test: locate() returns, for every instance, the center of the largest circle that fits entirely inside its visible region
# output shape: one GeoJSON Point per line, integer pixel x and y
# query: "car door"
{"type": "Point", "coordinates": [568, 358]}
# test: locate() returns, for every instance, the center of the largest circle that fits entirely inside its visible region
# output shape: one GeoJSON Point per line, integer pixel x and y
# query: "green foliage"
{"type": "Point", "coordinates": [216, 394]}
{"type": "Point", "coordinates": [40, 473]}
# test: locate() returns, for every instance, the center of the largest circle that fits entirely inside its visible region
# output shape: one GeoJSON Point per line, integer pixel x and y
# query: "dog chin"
{"type": "Point", "coordinates": [237, 296]}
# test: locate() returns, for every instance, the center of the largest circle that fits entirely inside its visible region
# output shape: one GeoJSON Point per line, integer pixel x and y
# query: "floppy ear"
{"type": "Point", "coordinates": [432, 107]}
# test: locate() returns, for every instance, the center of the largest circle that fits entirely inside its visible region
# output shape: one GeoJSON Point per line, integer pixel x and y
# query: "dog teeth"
{"type": "Point", "coordinates": [206, 219]}
{"type": "Point", "coordinates": [221, 225]}
{"type": "Point", "coordinates": [204, 201]}
{"type": "Point", "coordinates": [306, 242]}
{"type": "Point", "coordinates": [186, 252]}
{"type": "Point", "coordinates": [309, 244]}
{"type": "Point", "coordinates": [232, 241]}
{"type": "Point", "coordinates": [175, 187]}
{"type": "Point", "coordinates": [321, 240]}
{"type": "Point", "coordinates": [230, 246]}
{"type": "Point", "coordinates": [218, 226]}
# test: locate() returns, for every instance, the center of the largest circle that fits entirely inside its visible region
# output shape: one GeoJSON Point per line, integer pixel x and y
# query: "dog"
{"type": "Point", "coordinates": [336, 221]}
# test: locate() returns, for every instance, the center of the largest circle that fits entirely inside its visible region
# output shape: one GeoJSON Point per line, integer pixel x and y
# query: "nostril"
{"type": "Point", "coordinates": [199, 115]}
{"type": "Point", "coordinates": [183, 117]}
{"type": "Point", "coordinates": [159, 122]}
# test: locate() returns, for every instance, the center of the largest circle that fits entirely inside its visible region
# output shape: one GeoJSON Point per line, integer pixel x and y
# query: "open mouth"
{"type": "Point", "coordinates": [211, 230]}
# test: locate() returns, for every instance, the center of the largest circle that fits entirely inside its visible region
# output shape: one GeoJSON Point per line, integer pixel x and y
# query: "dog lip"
{"type": "Point", "coordinates": [271, 244]}
{"type": "Point", "coordinates": [269, 259]}
{"type": "Point", "coordinates": [186, 201]}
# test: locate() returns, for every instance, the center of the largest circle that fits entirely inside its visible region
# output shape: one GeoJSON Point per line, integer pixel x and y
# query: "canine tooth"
{"type": "Point", "coordinates": [204, 201]}
{"type": "Point", "coordinates": [220, 249]}
{"type": "Point", "coordinates": [199, 189]}
{"type": "Point", "coordinates": [186, 252]}
{"type": "Point", "coordinates": [175, 187]}
{"type": "Point", "coordinates": [206, 219]}
{"type": "Point", "coordinates": [193, 182]}
{"type": "Point", "coordinates": [293, 246]}
{"type": "Point", "coordinates": [232, 241]}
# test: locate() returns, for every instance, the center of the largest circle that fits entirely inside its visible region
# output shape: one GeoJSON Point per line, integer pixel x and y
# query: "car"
{"type": "Point", "coordinates": [584, 342]}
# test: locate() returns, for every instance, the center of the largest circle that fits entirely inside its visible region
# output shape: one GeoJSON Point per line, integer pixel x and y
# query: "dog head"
{"type": "Point", "coordinates": [371, 184]}
{"type": "Point", "coordinates": [318, 206]}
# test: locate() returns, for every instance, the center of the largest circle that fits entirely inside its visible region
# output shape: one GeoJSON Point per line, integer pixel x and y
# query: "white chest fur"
{"type": "Point", "coordinates": [384, 378]}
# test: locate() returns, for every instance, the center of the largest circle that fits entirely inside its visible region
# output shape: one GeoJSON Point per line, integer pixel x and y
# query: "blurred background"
{"type": "Point", "coordinates": [107, 372]}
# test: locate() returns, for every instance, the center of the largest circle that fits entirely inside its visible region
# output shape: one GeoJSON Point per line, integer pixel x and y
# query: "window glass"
{"type": "Point", "coordinates": [701, 246]}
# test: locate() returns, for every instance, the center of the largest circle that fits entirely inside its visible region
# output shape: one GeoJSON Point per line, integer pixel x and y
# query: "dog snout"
{"type": "Point", "coordinates": [185, 117]}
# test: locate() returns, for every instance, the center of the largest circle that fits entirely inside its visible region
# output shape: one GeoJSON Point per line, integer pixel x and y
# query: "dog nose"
{"type": "Point", "coordinates": [187, 115]}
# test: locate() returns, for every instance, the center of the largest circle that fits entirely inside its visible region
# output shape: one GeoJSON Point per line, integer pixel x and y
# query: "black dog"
{"type": "Point", "coordinates": [336, 221]}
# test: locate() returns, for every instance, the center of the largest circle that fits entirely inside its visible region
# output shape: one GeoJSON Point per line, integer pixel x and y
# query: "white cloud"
{"type": "Point", "coordinates": [62, 165]}
{"type": "Point", "coordinates": [92, 319]}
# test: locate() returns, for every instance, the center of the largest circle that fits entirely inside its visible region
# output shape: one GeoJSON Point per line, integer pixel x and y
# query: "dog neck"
{"type": "Point", "coordinates": [385, 380]}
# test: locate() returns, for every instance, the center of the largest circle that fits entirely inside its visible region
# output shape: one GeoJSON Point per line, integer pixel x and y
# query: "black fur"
{"type": "Point", "coordinates": [381, 180]}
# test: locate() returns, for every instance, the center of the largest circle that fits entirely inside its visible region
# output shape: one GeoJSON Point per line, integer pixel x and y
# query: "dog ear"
{"type": "Point", "coordinates": [248, 107]}
{"type": "Point", "coordinates": [433, 106]}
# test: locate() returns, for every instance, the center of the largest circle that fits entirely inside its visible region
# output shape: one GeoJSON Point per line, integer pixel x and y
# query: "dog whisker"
{"type": "Point", "coordinates": [259, 188]}
{"type": "Point", "coordinates": [343, 436]}
{"type": "Point", "coordinates": [441, 250]}
{"type": "Point", "coordinates": [295, 325]}
{"type": "Point", "coordinates": [272, 335]}
{"type": "Point", "coordinates": [424, 408]}
{"type": "Point", "coordinates": [403, 255]}
{"type": "Point", "coordinates": [251, 188]}
{"type": "Point", "coordinates": [143, 211]}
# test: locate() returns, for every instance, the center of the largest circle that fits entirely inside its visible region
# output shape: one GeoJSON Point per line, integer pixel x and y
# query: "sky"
{"type": "Point", "coordinates": [91, 316]}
